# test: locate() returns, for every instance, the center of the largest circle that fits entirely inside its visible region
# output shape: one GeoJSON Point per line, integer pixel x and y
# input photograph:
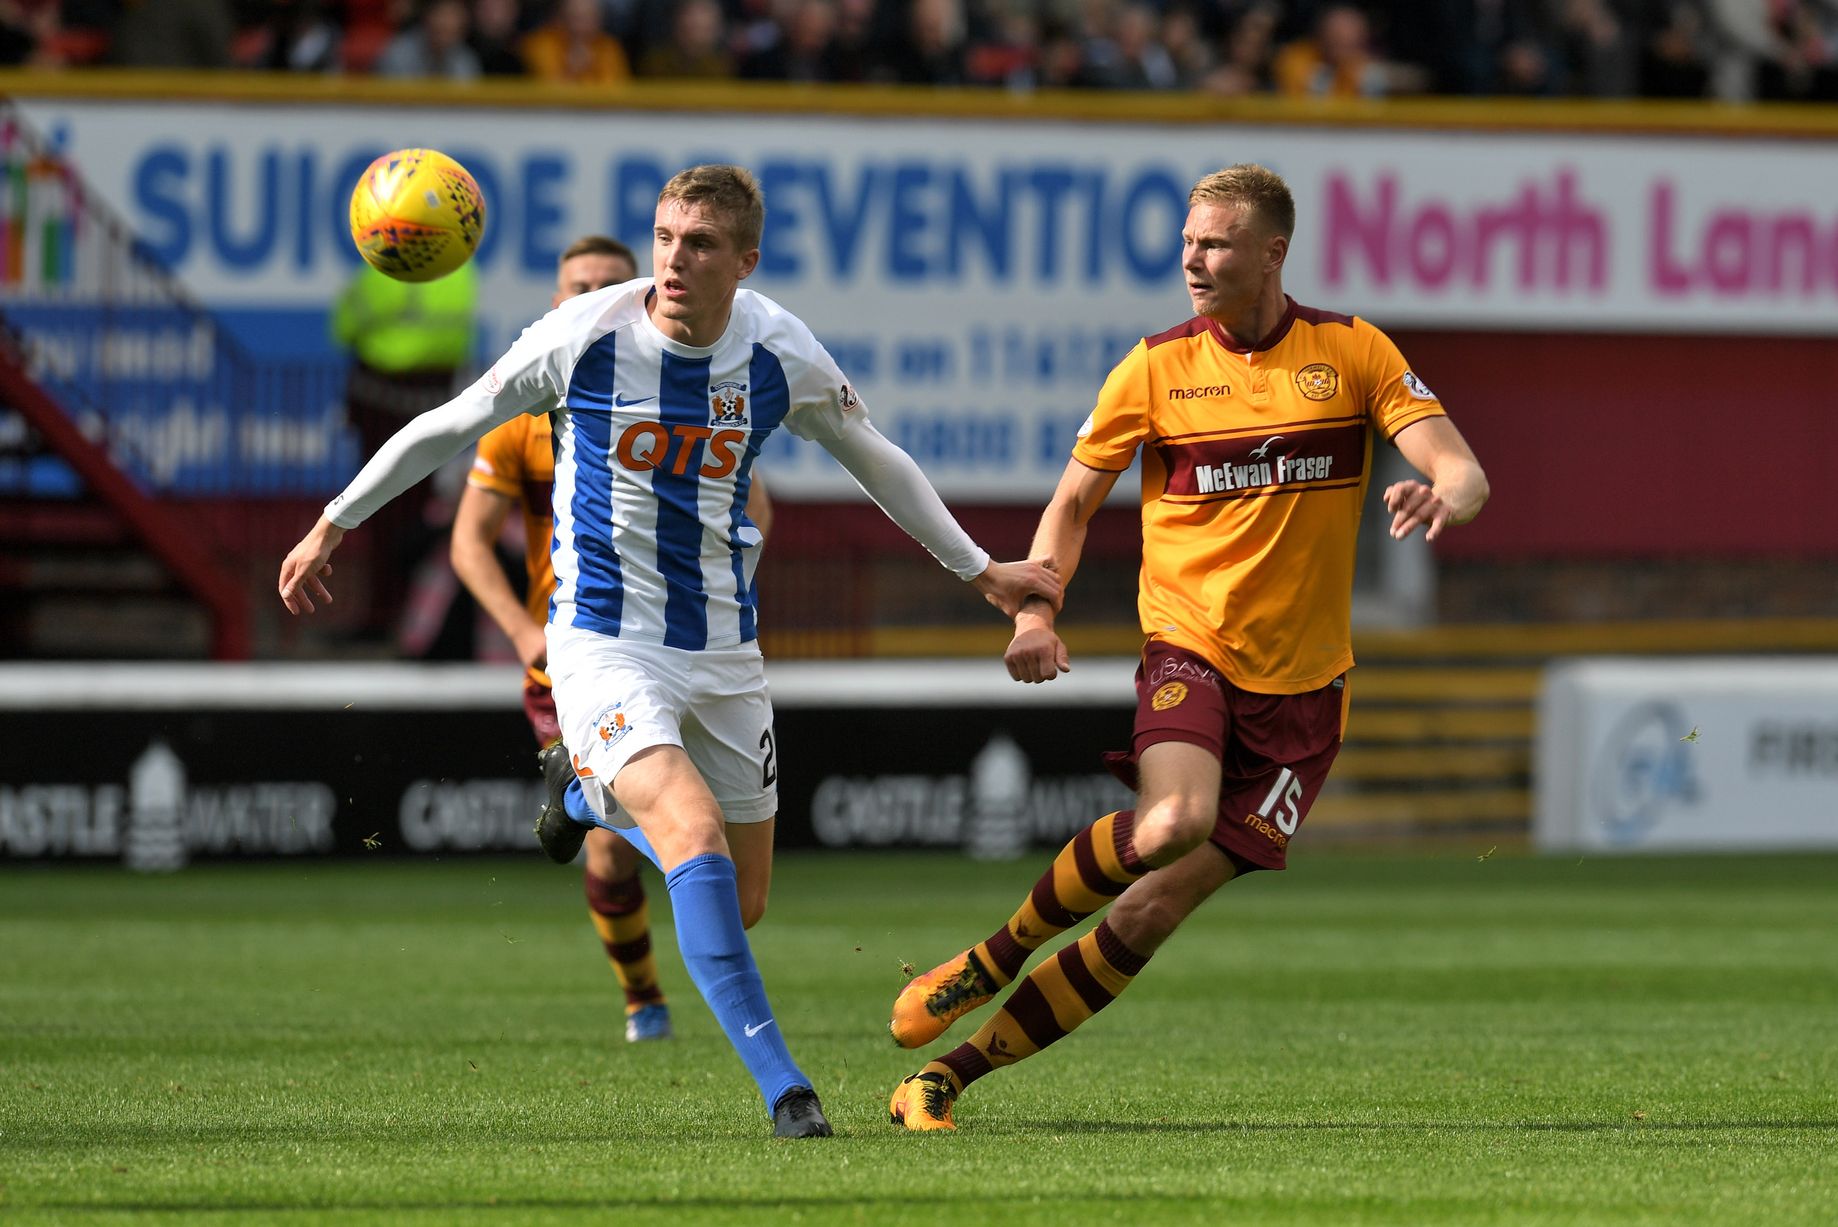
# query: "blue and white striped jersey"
{"type": "Point", "coordinates": [655, 443]}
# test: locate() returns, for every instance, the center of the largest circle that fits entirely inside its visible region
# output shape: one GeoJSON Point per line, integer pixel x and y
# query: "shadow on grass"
{"type": "Point", "coordinates": [805, 1201]}
{"type": "Point", "coordinates": [142, 1136]}
{"type": "Point", "coordinates": [1619, 1124]}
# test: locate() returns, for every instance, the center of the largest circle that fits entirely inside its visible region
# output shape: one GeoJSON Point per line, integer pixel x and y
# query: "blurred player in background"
{"type": "Point", "coordinates": [664, 390]}
{"type": "Point", "coordinates": [515, 468]}
{"type": "Point", "coordinates": [1255, 422]}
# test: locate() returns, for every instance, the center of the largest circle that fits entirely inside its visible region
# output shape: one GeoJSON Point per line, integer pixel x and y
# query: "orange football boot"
{"type": "Point", "coordinates": [929, 1004]}
{"type": "Point", "coordinates": [923, 1102]}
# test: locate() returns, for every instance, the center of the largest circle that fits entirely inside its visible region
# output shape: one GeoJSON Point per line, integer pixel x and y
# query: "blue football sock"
{"type": "Point", "coordinates": [574, 804]}
{"type": "Point", "coordinates": [705, 902]}
{"type": "Point", "coordinates": [638, 839]}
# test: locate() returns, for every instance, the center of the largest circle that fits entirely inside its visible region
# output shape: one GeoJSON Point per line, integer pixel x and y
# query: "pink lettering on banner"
{"type": "Point", "coordinates": [1550, 238]}
{"type": "Point", "coordinates": [1740, 253]}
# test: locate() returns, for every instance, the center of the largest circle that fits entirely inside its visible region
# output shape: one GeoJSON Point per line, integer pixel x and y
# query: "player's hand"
{"type": "Point", "coordinates": [532, 647]}
{"type": "Point", "coordinates": [304, 569]}
{"type": "Point", "coordinates": [1036, 653]}
{"type": "Point", "coordinates": [1007, 584]}
{"type": "Point", "coordinates": [1412, 503]}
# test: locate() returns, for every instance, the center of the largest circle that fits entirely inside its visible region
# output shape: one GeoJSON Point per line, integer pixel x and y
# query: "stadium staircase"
{"type": "Point", "coordinates": [115, 541]}
{"type": "Point", "coordinates": [1443, 718]}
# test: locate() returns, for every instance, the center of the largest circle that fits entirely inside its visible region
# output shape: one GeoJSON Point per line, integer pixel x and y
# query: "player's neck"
{"type": "Point", "coordinates": [701, 330]}
{"type": "Point", "coordinates": [1253, 323]}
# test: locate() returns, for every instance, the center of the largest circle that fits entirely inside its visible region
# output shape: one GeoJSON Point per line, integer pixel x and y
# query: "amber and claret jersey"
{"type": "Point", "coordinates": [1254, 470]}
{"type": "Point", "coordinates": [517, 460]}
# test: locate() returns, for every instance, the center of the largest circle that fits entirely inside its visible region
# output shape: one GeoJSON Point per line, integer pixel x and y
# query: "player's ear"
{"type": "Point", "coordinates": [1276, 251]}
{"type": "Point", "coordinates": [748, 263]}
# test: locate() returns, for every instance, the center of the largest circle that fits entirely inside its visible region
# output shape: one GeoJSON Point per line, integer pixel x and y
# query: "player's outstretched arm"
{"type": "Point", "coordinates": [1457, 488]}
{"type": "Point", "coordinates": [1036, 653]}
{"type": "Point", "coordinates": [304, 569]}
{"type": "Point", "coordinates": [894, 481]}
{"type": "Point", "coordinates": [405, 458]}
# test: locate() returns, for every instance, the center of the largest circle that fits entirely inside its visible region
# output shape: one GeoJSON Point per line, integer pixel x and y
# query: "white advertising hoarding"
{"type": "Point", "coordinates": [978, 279]}
{"type": "Point", "coordinates": [1735, 755]}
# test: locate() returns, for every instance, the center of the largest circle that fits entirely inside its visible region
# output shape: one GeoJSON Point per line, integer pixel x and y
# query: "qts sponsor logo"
{"type": "Point", "coordinates": [674, 449]}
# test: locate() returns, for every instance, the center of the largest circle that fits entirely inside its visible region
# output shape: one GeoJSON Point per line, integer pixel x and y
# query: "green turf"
{"type": "Point", "coordinates": [1386, 1039]}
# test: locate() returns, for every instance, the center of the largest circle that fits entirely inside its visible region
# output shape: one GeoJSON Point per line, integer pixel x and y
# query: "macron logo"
{"type": "Point", "coordinates": [756, 1028]}
{"type": "Point", "coordinates": [623, 403]}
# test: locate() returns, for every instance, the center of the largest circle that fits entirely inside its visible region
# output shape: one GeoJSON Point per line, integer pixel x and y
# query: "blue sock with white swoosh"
{"type": "Point", "coordinates": [705, 903]}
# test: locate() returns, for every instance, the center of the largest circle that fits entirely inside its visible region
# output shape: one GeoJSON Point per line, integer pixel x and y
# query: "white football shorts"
{"type": "Point", "coordinates": [614, 698]}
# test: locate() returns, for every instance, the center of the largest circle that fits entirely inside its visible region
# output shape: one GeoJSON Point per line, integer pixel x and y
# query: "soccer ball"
{"type": "Point", "coordinates": [416, 215]}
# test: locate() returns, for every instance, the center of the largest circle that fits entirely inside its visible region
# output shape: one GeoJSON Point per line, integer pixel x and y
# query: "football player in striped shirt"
{"type": "Point", "coordinates": [1255, 421]}
{"type": "Point", "coordinates": [663, 390]}
{"type": "Point", "coordinates": [515, 469]}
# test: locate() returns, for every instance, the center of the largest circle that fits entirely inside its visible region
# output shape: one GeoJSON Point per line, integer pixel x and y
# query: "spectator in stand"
{"type": "Point", "coordinates": [1596, 50]}
{"type": "Point", "coordinates": [28, 34]}
{"type": "Point", "coordinates": [434, 46]}
{"type": "Point", "coordinates": [173, 34]}
{"type": "Point", "coordinates": [1338, 61]}
{"type": "Point", "coordinates": [697, 47]}
{"type": "Point", "coordinates": [496, 37]}
{"type": "Point", "coordinates": [933, 49]}
{"type": "Point", "coordinates": [1132, 55]}
{"type": "Point", "coordinates": [1802, 67]}
{"type": "Point", "coordinates": [1187, 47]}
{"type": "Point", "coordinates": [755, 28]}
{"type": "Point", "coordinates": [1010, 56]}
{"type": "Point", "coordinates": [1480, 47]}
{"type": "Point", "coordinates": [296, 36]}
{"type": "Point", "coordinates": [852, 42]}
{"type": "Point", "coordinates": [806, 52]}
{"type": "Point", "coordinates": [574, 46]}
{"type": "Point", "coordinates": [1674, 56]}
{"type": "Point", "coordinates": [1250, 48]}
{"type": "Point", "coordinates": [1061, 58]}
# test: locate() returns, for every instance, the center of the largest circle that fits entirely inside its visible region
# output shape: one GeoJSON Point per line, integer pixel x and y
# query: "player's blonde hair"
{"type": "Point", "coordinates": [1252, 187]}
{"type": "Point", "coordinates": [730, 191]}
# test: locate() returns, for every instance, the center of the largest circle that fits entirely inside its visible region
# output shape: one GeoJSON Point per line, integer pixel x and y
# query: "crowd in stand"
{"type": "Point", "coordinates": [1735, 50]}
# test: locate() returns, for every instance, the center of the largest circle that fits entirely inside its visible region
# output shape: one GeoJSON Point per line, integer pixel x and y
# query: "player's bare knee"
{"type": "Point", "coordinates": [1145, 921]}
{"type": "Point", "coordinates": [1171, 828]}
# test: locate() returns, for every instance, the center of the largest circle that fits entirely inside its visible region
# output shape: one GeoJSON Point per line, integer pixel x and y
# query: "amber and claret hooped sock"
{"type": "Point", "coordinates": [623, 920]}
{"type": "Point", "coordinates": [1046, 1006]}
{"type": "Point", "coordinates": [1094, 867]}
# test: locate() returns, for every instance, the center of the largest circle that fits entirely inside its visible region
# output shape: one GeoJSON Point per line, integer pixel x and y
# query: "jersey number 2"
{"type": "Point", "coordinates": [769, 771]}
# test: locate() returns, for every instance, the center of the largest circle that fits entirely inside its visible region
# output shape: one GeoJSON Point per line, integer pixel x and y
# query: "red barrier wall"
{"type": "Point", "coordinates": [1643, 445]}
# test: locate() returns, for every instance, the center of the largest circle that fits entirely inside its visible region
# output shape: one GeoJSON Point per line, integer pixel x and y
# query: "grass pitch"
{"type": "Point", "coordinates": [1366, 1040]}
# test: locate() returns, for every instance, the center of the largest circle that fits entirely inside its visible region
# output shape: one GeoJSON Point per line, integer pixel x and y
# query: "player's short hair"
{"type": "Point", "coordinates": [730, 191]}
{"type": "Point", "coordinates": [598, 245]}
{"type": "Point", "coordinates": [1252, 187]}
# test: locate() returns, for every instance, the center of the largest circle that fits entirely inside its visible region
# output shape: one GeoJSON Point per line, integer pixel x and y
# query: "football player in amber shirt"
{"type": "Point", "coordinates": [1255, 421]}
{"type": "Point", "coordinates": [515, 467]}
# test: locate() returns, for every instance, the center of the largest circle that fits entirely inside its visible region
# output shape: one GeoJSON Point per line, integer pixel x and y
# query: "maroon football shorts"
{"type": "Point", "coordinates": [1274, 750]}
{"type": "Point", "coordinates": [539, 706]}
